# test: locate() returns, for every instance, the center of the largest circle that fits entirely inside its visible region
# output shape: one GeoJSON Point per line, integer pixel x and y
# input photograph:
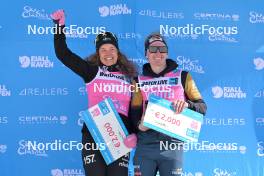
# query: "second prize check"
{"type": "Point", "coordinates": [160, 116]}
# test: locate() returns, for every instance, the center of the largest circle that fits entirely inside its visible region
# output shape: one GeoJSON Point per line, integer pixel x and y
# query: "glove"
{"type": "Point", "coordinates": [58, 16]}
{"type": "Point", "coordinates": [130, 141]}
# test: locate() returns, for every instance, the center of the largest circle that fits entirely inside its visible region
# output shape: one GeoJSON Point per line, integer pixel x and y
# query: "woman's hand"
{"type": "Point", "coordinates": [58, 16]}
{"type": "Point", "coordinates": [130, 141]}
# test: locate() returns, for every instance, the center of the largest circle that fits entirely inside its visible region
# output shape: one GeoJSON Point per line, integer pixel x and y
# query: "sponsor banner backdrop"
{"type": "Point", "coordinates": [220, 44]}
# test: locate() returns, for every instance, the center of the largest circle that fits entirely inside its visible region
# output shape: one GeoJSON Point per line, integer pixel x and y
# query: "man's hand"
{"type": "Point", "coordinates": [179, 105]}
{"type": "Point", "coordinates": [141, 127]}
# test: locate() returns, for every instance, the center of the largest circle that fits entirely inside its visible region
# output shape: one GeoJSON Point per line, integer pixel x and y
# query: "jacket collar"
{"type": "Point", "coordinates": [171, 65]}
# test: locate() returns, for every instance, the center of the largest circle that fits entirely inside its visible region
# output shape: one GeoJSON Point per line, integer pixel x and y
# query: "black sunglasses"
{"type": "Point", "coordinates": [154, 49]}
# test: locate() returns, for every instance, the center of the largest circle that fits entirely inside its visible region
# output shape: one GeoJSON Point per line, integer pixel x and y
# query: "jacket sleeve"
{"type": "Point", "coordinates": [136, 109]}
{"type": "Point", "coordinates": [194, 98]}
{"type": "Point", "coordinates": [70, 59]}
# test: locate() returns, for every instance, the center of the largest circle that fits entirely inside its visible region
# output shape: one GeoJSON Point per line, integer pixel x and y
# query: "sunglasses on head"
{"type": "Point", "coordinates": [154, 49]}
{"type": "Point", "coordinates": [105, 36]}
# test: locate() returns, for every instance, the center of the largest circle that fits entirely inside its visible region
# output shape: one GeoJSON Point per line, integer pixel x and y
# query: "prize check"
{"type": "Point", "coordinates": [161, 117]}
{"type": "Point", "coordinates": [106, 127]}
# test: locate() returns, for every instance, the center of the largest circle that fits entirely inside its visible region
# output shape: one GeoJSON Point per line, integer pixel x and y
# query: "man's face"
{"type": "Point", "coordinates": [157, 54]}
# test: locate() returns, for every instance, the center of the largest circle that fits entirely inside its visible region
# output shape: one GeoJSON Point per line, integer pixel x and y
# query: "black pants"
{"type": "Point", "coordinates": [93, 161]}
